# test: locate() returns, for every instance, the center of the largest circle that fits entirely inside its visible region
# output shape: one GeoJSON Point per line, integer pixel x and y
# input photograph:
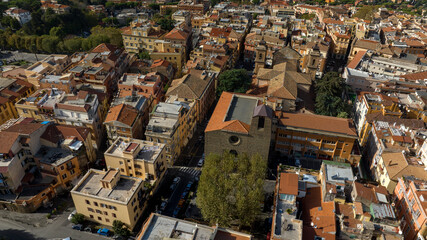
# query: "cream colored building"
{"type": "Point", "coordinates": [105, 196]}
{"type": "Point", "coordinates": [138, 158]}
{"type": "Point", "coordinates": [141, 36]}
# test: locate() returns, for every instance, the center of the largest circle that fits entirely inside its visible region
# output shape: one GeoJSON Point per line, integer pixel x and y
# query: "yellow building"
{"type": "Point", "coordinates": [173, 53]}
{"type": "Point", "coordinates": [141, 36]}
{"type": "Point", "coordinates": [60, 164]}
{"type": "Point", "coordinates": [138, 158]}
{"type": "Point", "coordinates": [313, 136]}
{"type": "Point", "coordinates": [105, 196]}
{"type": "Point", "coordinates": [368, 103]}
{"type": "Point", "coordinates": [11, 91]}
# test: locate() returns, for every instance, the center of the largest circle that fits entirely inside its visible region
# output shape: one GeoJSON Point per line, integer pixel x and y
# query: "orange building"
{"type": "Point", "coordinates": [411, 207]}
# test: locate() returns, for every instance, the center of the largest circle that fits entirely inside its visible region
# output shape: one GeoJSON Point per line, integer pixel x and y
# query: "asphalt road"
{"type": "Point", "coordinates": [15, 56]}
{"type": "Point", "coordinates": [58, 229]}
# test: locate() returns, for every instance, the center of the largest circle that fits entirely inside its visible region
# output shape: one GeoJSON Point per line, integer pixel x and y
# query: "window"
{"type": "Point", "coordinates": [62, 167]}
{"type": "Point", "coordinates": [91, 216]}
{"type": "Point", "coordinates": [99, 218]}
{"type": "Point", "coordinates": [107, 220]}
{"type": "Point", "coordinates": [261, 122]}
{"type": "Point", "coordinates": [90, 209]}
{"type": "Point", "coordinates": [103, 205]}
{"type": "Point", "coordinates": [106, 213]}
{"type": "Point", "coordinates": [64, 176]}
{"type": "Point", "coordinates": [95, 203]}
{"type": "Point", "coordinates": [234, 140]}
{"type": "Point", "coordinates": [87, 202]}
{"type": "Point", "coordinates": [98, 211]}
{"type": "Point", "coordinates": [114, 215]}
{"type": "Point", "coordinates": [234, 152]}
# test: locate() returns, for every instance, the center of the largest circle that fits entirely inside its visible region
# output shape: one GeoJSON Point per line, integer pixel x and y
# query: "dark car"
{"type": "Point", "coordinates": [77, 227]}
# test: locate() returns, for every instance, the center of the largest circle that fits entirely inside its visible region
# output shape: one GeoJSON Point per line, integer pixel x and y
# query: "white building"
{"type": "Point", "coordinates": [23, 16]}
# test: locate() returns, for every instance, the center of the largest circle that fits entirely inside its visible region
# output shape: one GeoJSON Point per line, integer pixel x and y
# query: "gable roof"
{"type": "Point", "coordinates": [123, 113]}
{"type": "Point", "coordinates": [191, 86]}
{"type": "Point", "coordinates": [218, 120]}
{"type": "Point", "coordinates": [7, 139]}
{"type": "Point", "coordinates": [332, 125]}
{"type": "Point", "coordinates": [356, 60]}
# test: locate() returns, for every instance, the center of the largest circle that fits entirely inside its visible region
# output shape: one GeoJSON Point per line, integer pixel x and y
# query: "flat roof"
{"type": "Point", "coordinates": [91, 185]}
{"type": "Point", "coordinates": [163, 227]}
{"type": "Point", "coordinates": [241, 108]}
{"type": "Point", "coordinates": [54, 156]}
{"type": "Point", "coordinates": [338, 173]}
{"type": "Point", "coordinates": [148, 151]}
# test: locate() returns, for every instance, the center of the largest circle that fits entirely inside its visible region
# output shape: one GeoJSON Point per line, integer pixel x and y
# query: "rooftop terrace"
{"type": "Point", "coordinates": [122, 192]}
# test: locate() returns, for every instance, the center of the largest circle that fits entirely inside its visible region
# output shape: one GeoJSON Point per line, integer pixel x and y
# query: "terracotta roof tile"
{"type": "Point", "coordinates": [7, 139]}
{"type": "Point", "coordinates": [356, 60]}
{"type": "Point", "coordinates": [319, 123]}
{"type": "Point", "coordinates": [288, 184]}
{"type": "Point", "coordinates": [122, 113]}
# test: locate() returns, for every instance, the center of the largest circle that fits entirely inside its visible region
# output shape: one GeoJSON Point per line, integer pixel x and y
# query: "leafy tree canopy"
{"type": "Point", "coordinates": [120, 228]}
{"type": "Point", "coordinates": [235, 80]}
{"type": "Point", "coordinates": [231, 189]}
{"type": "Point", "coordinates": [329, 92]}
{"type": "Point", "coordinates": [366, 12]}
{"type": "Point", "coordinates": [78, 218]}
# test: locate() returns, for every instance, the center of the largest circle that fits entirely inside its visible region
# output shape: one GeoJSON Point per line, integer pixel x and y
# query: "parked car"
{"type": "Point", "coordinates": [103, 231]}
{"type": "Point", "coordinates": [200, 163]}
{"type": "Point", "coordinates": [88, 229]}
{"type": "Point", "coordinates": [72, 215]}
{"type": "Point", "coordinates": [163, 205]}
{"type": "Point", "coordinates": [176, 180]}
{"type": "Point", "coordinates": [175, 213]}
{"type": "Point", "coordinates": [77, 227]}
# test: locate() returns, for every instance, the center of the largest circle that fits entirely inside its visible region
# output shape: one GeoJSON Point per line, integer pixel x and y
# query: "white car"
{"type": "Point", "coordinates": [200, 163]}
{"type": "Point", "coordinates": [72, 215]}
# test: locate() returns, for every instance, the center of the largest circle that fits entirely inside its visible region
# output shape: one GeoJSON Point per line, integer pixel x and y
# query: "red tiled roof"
{"type": "Point", "coordinates": [288, 184]}
{"type": "Point", "coordinates": [217, 119]}
{"type": "Point", "coordinates": [356, 60]}
{"type": "Point", "coordinates": [318, 122]}
{"type": "Point", "coordinates": [122, 113]}
{"type": "Point", "coordinates": [415, 76]}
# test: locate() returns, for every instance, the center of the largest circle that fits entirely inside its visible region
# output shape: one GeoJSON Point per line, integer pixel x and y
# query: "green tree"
{"type": "Point", "coordinates": [154, 6]}
{"type": "Point", "coordinates": [144, 55]}
{"type": "Point", "coordinates": [235, 80]}
{"type": "Point", "coordinates": [329, 95]}
{"type": "Point", "coordinates": [366, 12]}
{"type": "Point", "coordinates": [73, 45]}
{"type": "Point", "coordinates": [78, 218]}
{"type": "Point", "coordinates": [57, 32]}
{"type": "Point", "coordinates": [120, 228]}
{"type": "Point", "coordinates": [231, 190]}
{"type": "Point", "coordinates": [342, 115]}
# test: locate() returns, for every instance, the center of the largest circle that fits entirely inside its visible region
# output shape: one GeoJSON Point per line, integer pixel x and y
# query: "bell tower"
{"type": "Point", "coordinates": [260, 55]}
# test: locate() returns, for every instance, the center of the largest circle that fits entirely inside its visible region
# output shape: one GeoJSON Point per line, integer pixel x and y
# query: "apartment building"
{"type": "Point", "coordinates": [54, 64]}
{"type": "Point", "coordinates": [82, 109]}
{"type": "Point", "coordinates": [316, 137]}
{"type": "Point", "coordinates": [174, 53]}
{"type": "Point", "coordinates": [60, 164]}
{"type": "Point", "coordinates": [198, 86]}
{"type": "Point", "coordinates": [149, 85]}
{"type": "Point", "coordinates": [141, 36]}
{"type": "Point", "coordinates": [125, 120]}
{"type": "Point", "coordinates": [239, 124]}
{"type": "Point", "coordinates": [336, 179]}
{"type": "Point", "coordinates": [138, 158]}
{"type": "Point", "coordinates": [168, 125]}
{"type": "Point", "coordinates": [411, 204]}
{"type": "Point", "coordinates": [11, 91]}
{"type": "Point", "coordinates": [105, 196]}
{"type": "Point", "coordinates": [158, 226]}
